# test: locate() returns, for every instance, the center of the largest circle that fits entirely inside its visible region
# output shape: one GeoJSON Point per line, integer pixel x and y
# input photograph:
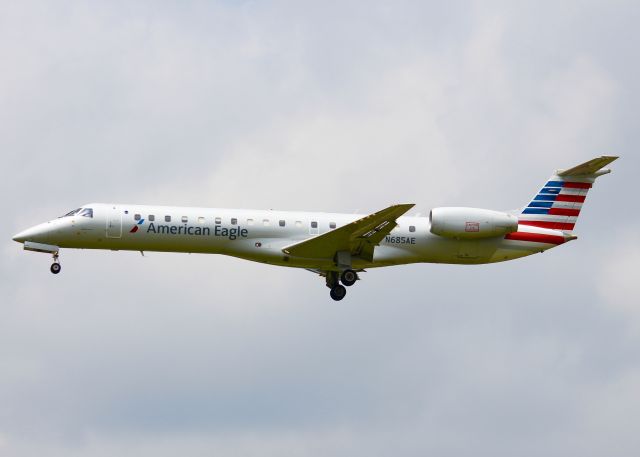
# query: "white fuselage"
{"type": "Point", "coordinates": [261, 235]}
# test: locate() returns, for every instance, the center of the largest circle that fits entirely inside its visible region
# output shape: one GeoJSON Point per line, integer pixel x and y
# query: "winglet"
{"type": "Point", "coordinates": [589, 168]}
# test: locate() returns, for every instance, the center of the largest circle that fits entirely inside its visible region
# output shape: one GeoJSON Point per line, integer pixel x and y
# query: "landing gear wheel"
{"type": "Point", "coordinates": [55, 268]}
{"type": "Point", "coordinates": [338, 292]}
{"type": "Point", "coordinates": [348, 277]}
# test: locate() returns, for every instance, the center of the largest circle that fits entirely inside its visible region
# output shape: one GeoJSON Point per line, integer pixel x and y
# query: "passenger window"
{"type": "Point", "coordinates": [137, 217]}
{"type": "Point", "coordinates": [201, 220]}
{"type": "Point", "coordinates": [151, 218]}
{"type": "Point", "coordinates": [87, 212]}
{"type": "Point", "coordinates": [314, 224]}
{"type": "Point", "coordinates": [184, 219]}
{"type": "Point", "coordinates": [249, 221]}
{"type": "Point", "coordinates": [332, 225]}
{"type": "Point", "coordinates": [218, 220]}
{"type": "Point", "coordinates": [167, 218]}
{"type": "Point", "coordinates": [234, 221]}
{"type": "Point", "coordinates": [298, 223]}
{"type": "Point", "coordinates": [412, 228]}
{"type": "Point", "coordinates": [281, 223]}
{"type": "Point", "coordinates": [265, 222]}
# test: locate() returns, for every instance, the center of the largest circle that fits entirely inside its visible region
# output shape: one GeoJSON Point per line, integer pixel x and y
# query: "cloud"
{"type": "Point", "coordinates": [340, 107]}
{"type": "Point", "coordinates": [617, 282]}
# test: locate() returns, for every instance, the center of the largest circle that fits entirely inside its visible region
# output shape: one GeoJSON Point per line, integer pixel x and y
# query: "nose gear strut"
{"type": "Point", "coordinates": [55, 266]}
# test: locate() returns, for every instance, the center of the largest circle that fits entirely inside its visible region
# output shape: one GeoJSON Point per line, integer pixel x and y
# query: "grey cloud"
{"type": "Point", "coordinates": [337, 107]}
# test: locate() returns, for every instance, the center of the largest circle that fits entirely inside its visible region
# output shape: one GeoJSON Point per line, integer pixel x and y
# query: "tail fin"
{"type": "Point", "coordinates": [558, 204]}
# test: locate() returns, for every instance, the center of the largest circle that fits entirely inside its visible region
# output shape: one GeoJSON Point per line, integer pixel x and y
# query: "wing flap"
{"type": "Point", "coordinates": [356, 237]}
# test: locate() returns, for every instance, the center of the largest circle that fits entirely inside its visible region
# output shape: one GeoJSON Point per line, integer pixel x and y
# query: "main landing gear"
{"type": "Point", "coordinates": [338, 291]}
{"type": "Point", "coordinates": [55, 266]}
{"type": "Point", "coordinates": [348, 277]}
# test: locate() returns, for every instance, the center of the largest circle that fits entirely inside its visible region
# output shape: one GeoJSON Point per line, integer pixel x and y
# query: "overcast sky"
{"type": "Point", "coordinates": [329, 106]}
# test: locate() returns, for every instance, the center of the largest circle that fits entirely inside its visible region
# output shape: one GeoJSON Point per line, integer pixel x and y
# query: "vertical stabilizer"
{"type": "Point", "coordinates": [558, 204]}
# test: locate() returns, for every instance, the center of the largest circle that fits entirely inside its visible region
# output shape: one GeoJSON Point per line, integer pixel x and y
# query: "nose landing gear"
{"type": "Point", "coordinates": [47, 249]}
{"type": "Point", "coordinates": [55, 266]}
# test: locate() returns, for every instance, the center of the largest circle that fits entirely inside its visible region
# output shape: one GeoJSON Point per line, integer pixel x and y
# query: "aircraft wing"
{"type": "Point", "coordinates": [359, 237]}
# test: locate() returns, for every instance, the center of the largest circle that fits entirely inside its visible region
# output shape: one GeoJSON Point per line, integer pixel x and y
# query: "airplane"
{"type": "Point", "coordinates": [338, 247]}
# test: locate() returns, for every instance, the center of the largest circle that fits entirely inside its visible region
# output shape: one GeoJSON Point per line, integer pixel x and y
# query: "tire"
{"type": "Point", "coordinates": [55, 268]}
{"type": "Point", "coordinates": [338, 292]}
{"type": "Point", "coordinates": [348, 277]}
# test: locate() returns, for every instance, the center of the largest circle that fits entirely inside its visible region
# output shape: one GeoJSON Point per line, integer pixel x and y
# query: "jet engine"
{"type": "Point", "coordinates": [470, 223]}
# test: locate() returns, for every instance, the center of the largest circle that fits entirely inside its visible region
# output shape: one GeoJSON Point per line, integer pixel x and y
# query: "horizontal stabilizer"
{"type": "Point", "coordinates": [588, 168]}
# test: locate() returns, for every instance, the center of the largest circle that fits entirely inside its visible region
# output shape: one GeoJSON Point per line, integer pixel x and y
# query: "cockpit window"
{"type": "Point", "coordinates": [71, 213]}
{"type": "Point", "coordinates": [86, 212]}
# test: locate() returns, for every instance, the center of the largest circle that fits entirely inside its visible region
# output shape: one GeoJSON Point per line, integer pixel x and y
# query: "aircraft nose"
{"type": "Point", "coordinates": [21, 237]}
{"type": "Point", "coordinates": [37, 233]}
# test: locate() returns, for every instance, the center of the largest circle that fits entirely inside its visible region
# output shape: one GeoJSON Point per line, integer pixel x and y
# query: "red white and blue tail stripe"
{"type": "Point", "coordinates": [550, 217]}
{"type": "Point", "coordinates": [558, 204]}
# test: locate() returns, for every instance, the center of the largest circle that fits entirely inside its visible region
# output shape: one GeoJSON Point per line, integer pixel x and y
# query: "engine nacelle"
{"type": "Point", "coordinates": [471, 223]}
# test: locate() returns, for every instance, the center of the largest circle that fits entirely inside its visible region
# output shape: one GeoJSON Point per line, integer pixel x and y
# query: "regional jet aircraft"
{"type": "Point", "coordinates": [336, 246]}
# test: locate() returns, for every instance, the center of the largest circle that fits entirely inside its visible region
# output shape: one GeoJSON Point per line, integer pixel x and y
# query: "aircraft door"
{"type": "Point", "coordinates": [114, 223]}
